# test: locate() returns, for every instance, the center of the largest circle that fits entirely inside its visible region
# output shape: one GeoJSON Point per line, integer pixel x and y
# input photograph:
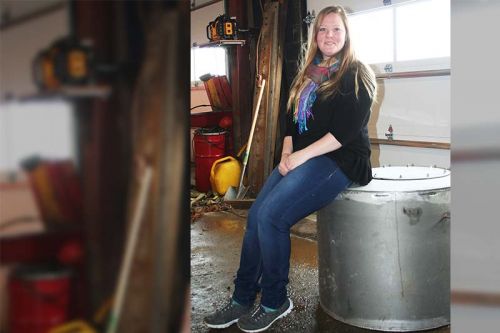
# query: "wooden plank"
{"type": "Point", "coordinates": [103, 144]}
{"type": "Point", "coordinates": [171, 252]}
{"type": "Point", "coordinates": [240, 78]}
{"type": "Point", "coordinates": [161, 141]}
{"type": "Point", "coordinates": [240, 204]}
{"type": "Point", "coordinates": [410, 143]}
{"type": "Point", "coordinates": [295, 37]}
{"type": "Point", "coordinates": [256, 170]}
{"type": "Point", "coordinates": [269, 143]}
{"type": "Point", "coordinates": [274, 107]}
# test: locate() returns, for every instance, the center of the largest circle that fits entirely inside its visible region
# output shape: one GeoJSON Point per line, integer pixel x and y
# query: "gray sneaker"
{"type": "Point", "coordinates": [259, 320]}
{"type": "Point", "coordinates": [226, 316]}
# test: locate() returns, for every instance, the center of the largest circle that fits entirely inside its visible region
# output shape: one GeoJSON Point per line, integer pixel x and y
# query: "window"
{"type": "Point", "coordinates": [423, 23]}
{"type": "Point", "coordinates": [373, 45]}
{"type": "Point", "coordinates": [207, 60]}
{"type": "Point", "coordinates": [35, 128]}
{"type": "Point", "coordinates": [411, 31]}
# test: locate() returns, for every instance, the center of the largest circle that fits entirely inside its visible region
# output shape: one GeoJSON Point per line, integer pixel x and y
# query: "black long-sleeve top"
{"type": "Point", "coordinates": [346, 117]}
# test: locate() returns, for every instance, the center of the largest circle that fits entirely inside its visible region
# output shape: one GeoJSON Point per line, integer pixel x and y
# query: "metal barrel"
{"type": "Point", "coordinates": [384, 251]}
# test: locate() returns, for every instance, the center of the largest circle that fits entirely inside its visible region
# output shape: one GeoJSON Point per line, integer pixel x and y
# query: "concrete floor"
{"type": "Point", "coordinates": [215, 249]}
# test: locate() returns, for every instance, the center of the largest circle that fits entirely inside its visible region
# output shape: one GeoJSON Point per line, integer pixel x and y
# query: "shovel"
{"type": "Point", "coordinates": [238, 194]}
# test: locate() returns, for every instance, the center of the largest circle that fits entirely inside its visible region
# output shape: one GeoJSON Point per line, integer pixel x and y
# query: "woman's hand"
{"type": "Point", "coordinates": [295, 159]}
{"type": "Point", "coordinates": [282, 168]}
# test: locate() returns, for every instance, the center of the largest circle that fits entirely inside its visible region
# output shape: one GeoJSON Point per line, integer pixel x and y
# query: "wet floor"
{"type": "Point", "coordinates": [215, 249]}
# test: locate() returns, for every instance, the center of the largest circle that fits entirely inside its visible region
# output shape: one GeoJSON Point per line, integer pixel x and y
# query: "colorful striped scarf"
{"type": "Point", "coordinates": [317, 76]}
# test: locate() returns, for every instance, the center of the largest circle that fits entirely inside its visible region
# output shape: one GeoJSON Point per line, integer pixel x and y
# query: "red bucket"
{"type": "Point", "coordinates": [38, 298]}
{"type": "Point", "coordinates": [208, 147]}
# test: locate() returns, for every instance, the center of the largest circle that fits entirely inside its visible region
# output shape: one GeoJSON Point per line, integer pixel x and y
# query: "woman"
{"type": "Point", "coordinates": [325, 149]}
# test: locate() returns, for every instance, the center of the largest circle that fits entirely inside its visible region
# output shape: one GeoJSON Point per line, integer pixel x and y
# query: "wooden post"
{"type": "Point", "coordinates": [103, 148]}
{"type": "Point", "coordinates": [240, 79]}
{"type": "Point", "coordinates": [269, 67]}
{"type": "Point", "coordinates": [275, 89]}
{"type": "Point", "coordinates": [160, 271]}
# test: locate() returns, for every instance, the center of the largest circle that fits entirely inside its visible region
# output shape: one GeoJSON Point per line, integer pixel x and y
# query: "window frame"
{"type": "Point", "coordinates": [395, 66]}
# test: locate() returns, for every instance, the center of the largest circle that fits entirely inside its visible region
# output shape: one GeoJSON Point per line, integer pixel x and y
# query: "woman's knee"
{"type": "Point", "coordinates": [270, 217]}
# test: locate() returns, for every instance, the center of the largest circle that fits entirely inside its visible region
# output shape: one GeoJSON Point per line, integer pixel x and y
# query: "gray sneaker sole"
{"type": "Point", "coordinates": [221, 325]}
{"type": "Point", "coordinates": [284, 314]}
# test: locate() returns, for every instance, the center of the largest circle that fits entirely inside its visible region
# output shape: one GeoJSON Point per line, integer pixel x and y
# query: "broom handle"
{"type": "Point", "coordinates": [249, 143]}
{"type": "Point", "coordinates": [130, 247]}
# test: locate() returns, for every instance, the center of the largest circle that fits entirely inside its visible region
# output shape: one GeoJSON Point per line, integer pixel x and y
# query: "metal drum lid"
{"type": "Point", "coordinates": [405, 179]}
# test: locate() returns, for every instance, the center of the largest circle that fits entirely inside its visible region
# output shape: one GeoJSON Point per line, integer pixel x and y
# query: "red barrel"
{"type": "Point", "coordinates": [38, 298]}
{"type": "Point", "coordinates": [208, 147]}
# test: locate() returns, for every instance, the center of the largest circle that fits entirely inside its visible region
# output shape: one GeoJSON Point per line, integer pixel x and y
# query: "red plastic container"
{"type": "Point", "coordinates": [208, 147]}
{"type": "Point", "coordinates": [38, 299]}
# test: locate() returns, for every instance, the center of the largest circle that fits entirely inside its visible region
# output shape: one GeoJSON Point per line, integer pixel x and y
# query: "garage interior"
{"type": "Point", "coordinates": [106, 185]}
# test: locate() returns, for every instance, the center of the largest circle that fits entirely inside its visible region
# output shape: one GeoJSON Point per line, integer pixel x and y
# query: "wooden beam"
{"type": "Point", "coordinates": [160, 107]}
{"type": "Point", "coordinates": [275, 87]}
{"type": "Point", "coordinates": [410, 143]}
{"type": "Point", "coordinates": [267, 54]}
{"type": "Point", "coordinates": [104, 141]}
{"type": "Point", "coordinates": [171, 253]}
{"type": "Point", "coordinates": [295, 37]}
{"type": "Point", "coordinates": [239, 77]}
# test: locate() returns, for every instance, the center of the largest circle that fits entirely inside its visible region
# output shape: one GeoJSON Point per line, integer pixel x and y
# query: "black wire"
{"type": "Point", "coordinates": [199, 106]}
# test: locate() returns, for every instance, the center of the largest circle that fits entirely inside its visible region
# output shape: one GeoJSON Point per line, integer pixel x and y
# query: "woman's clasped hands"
{"type": "Point", "coordinates": [290, 161]}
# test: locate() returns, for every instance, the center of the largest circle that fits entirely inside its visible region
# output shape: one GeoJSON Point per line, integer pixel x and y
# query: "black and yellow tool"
{"type": "Point", "coordinates": [223, 27]}
{"type": "Point", "coordinates": [67, 61]}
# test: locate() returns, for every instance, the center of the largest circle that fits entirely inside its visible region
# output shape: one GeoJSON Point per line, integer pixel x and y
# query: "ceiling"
{"type": "Point", "coordinates": [11, 10]}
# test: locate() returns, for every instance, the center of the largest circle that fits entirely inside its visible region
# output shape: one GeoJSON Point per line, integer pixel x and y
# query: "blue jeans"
{"type": "Point", "coordinates": [282, 202]}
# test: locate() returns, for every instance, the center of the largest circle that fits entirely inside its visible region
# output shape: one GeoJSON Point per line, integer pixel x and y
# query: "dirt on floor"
{"type": "Point", "coordinates": [216, 239]}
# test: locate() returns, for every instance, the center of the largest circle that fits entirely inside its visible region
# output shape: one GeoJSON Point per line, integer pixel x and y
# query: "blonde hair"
{"type": "Point", "coordinates": [347, 59]}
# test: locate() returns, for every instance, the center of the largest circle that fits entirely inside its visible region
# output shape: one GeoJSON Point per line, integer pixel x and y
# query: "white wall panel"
{"type": "Point", "coordinates": [36, 128]}
{"type": "Point", "coordinates": [15, 9]}
{"type": "Point", "coordinates": [19, 45]}
{"type": "Point", "coordinates": [474, 318]}
{"type": "Point", "coordinates": [200, 97]}
{"type": "Point", "coordinates": [475, 259]}
{"type": "Point", "coordinates": [417, 108]}
{"type": "Point", "coordinates": [200, 19]}
{"type": "Point", "coordinates": [480, 81]}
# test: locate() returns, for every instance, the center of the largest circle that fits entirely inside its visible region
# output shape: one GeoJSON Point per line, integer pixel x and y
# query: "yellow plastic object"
{"type": "Point", "coordinates": [77, 326]}
{"type": "Point", "coordinates": [225, 172]}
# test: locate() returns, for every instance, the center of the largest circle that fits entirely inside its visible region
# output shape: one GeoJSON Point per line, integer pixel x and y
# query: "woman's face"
{"type": "Point", "coordinates": [331, 35]}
